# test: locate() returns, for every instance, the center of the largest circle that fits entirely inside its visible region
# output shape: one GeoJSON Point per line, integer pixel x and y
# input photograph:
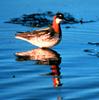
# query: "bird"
{"type": "Point", "coordinates": [45, 37]}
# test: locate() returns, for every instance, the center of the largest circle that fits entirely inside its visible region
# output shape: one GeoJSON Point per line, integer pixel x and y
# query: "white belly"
{"type": "Point", "coordinates": [45, 43]}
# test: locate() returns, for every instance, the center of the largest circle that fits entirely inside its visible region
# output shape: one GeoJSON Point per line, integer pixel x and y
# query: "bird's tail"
{"type": "Point", "coordinates": [22, 36]}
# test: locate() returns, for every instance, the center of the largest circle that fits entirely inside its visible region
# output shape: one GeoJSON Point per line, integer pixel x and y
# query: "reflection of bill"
{"type": "Point", "coordinates": [44, 56]}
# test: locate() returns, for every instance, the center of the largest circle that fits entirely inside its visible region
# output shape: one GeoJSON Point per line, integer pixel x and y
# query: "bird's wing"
{"type": "Point", "coordinates": [47, 31]}
{"type": "Point", "coordinates": [44, 33]}
{"type": "Point", "coordinates": [40, 32]}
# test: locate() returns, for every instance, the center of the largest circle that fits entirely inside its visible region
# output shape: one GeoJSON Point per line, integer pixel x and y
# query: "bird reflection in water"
{"type": "Point", "coordinates": [44, 56]}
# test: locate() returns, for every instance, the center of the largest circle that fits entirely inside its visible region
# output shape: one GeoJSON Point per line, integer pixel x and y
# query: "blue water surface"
{"type": "Point", "coordinates": [79, 70]}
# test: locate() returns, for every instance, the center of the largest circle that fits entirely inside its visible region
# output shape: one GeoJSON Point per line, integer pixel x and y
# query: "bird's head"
{"type": "Point", "coordinates": [59, 17]}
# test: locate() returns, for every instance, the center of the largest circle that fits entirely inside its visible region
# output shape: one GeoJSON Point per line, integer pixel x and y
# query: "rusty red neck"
{"type": "Point", "coordinates": [56, 26]}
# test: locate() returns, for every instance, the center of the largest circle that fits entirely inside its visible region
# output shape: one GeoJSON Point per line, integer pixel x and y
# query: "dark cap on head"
{"type": "Point", "coordinates": [59, 15]}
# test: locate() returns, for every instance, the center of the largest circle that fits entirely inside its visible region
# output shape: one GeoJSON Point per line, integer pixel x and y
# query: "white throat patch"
{"type": "Point", "coordinates": [58, 20]}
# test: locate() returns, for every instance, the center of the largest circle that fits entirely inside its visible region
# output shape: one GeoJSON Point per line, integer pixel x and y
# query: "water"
{"type": "Point", "coordinates": [27, 80]}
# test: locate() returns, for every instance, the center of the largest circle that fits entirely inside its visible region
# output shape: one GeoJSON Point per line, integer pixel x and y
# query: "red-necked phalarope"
{"type": "Point", "coordinates": [47, 37]}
